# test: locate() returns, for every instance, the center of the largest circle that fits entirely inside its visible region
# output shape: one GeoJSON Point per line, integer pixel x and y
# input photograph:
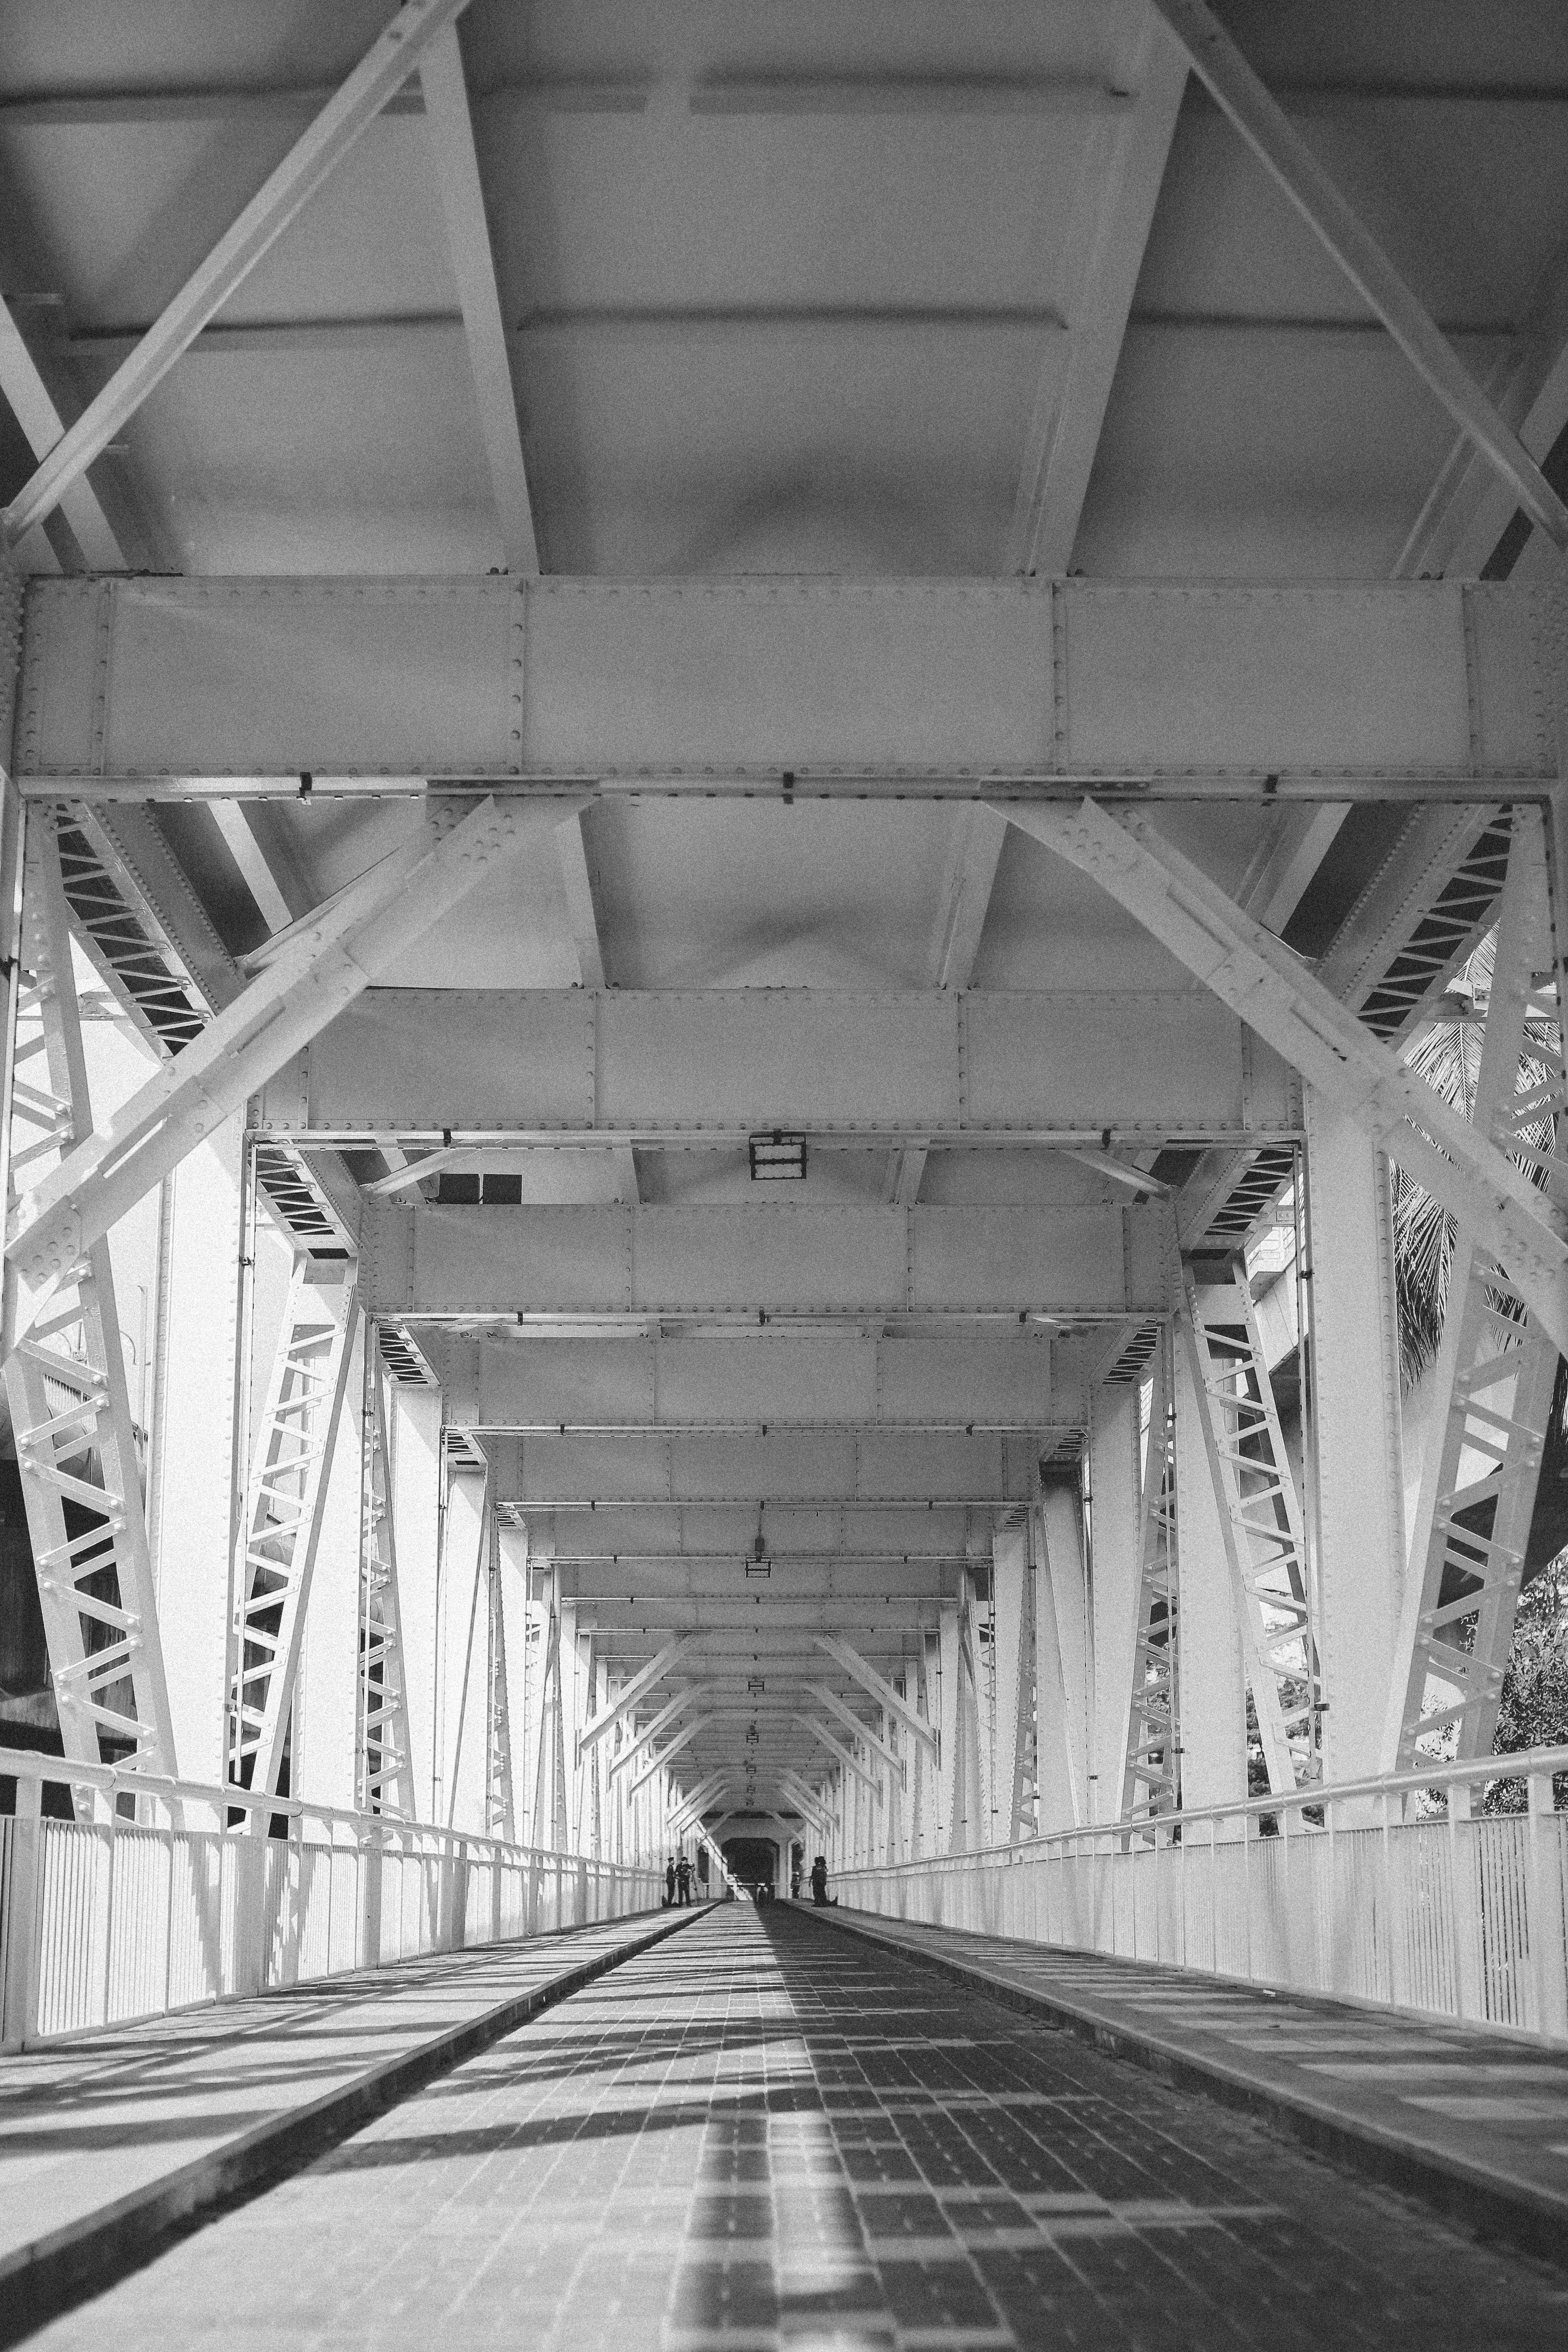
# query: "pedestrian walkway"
{"type": "Point", "coordinates": [105, 2140]}
{"type": "Point", "coordinates": [762, 2133]}
{"type": "Point", "coordinates": [1473, 2118]}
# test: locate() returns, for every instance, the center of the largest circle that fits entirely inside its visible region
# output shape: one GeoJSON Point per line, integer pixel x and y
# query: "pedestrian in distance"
{"type": "Point", "coordinates": [683, 1878]}
{"type": "Point", "coordinates": [819, 1881]}
{"type": "Point", "coordinates": [670, 1882]}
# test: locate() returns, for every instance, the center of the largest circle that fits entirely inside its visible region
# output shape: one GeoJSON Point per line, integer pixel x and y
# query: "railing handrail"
{"type": "Point", "coordinates": [116, 1780]}
{"type": "Point", "coordinates": [1527, 1764]}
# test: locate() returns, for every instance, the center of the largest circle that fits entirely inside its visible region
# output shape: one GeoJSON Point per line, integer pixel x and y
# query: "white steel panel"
{"type": "Point", "coordinates": [1017, 1258]}
{"type": "Point", "coordinates": [1167, 1062]}
{"type": "Point", "coordinates": [787, 1466]}
{"type": "Point", "coordinates": [1332, 678]}
{"type": "Point", "coordinates": [424, 1058]}
{"type": "Point", "coordinates": [804, 1258]}
{"type": "Point", "coordinates": [638, 677]}
{"type": "Point", "coordinates": [312, 675]}
{"type": "Point", "coordinates": [775, 1057]}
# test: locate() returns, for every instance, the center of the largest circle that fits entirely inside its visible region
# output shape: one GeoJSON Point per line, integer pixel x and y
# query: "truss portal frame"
{"type": "Point", "coordinates": [384, 1778]}
{"type": "Point", "coordinates": [76, 1442]}
{"type": "Point", "coordinates": [1260, 1519]}
{"type": "Point", "coordinates": [285, 1497]}
{"type": "Point", "coordinates": [1151, 1778]}
{"type": "Point", "coordinates": [1496, 1368]}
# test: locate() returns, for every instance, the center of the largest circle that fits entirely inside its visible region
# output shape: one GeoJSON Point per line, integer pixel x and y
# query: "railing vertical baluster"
{"type": "Point", "coordinates": [1548, 1960]}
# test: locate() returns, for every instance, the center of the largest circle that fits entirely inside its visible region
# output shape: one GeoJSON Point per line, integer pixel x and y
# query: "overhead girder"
{"type": "Point", "coordinates": [1414, 688]}
{"type": "Point", "coordinates": [792, 1534]}
{"type": "Point", "coordinates": [550, 1264]}
{"type": "Point", "coordinates": [447, 1067]}
{"type": "Point", "coordinates": [938, 1380]}
{"type": "Point", "coordinates": [828, 1469]}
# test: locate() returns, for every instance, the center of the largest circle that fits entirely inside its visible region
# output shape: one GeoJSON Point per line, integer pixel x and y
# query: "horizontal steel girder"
{"type": "Point", "coordinates": [944, 1065]}
{"type": "Point", "coordinates": [790, 1534]}
{"type": "Point", "coordinates": [600, 1262]}
{"type": "Point", "coordinates": [922, 1379]}
{"type": "Point", "coordinates": [656, 1581]}
{"type": "Point", "coordinates": [129, 685]}
{"type": "Point", "coordinates": [786, 1467]}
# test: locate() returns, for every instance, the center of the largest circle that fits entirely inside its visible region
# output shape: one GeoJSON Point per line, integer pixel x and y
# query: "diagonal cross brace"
{"type": "Point", "coordinates": [1259, 978]}
{"type": "Point", "coordinates": [836, 1747]}
{"type": "Point", "coordinates": [852, 1723]}
{"type": "Point", "coordinates": [656, 1764]}
{"type": "Point", "coordinates": [657, 1666]}
{"type": "Point", "coordinates": [329, 962]}
{"type": "Point", "coordinates": [666, 1716]}
{"type": "Point", "coordinates": [879, 1688]}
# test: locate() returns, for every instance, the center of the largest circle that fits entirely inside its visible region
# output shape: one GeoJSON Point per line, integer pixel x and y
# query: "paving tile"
{"type": "Point", "coordinates": [710, 2150]}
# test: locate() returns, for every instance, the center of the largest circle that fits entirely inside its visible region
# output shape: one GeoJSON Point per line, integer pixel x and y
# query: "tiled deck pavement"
{"type": "Point", "coordinates": [1479, 2117]}
{"type": "Point", "coordinates": [764, 2132]}
{"type": "Point", "coordinates": [157, 2117]}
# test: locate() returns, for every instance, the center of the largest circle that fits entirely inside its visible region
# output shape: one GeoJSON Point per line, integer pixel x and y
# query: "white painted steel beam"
{"type": "Point", "coordinates": [450, 128]}
{"type": "Point", "coordinates": [974, 854]}
{"type": "Point", "coordinates": [1418, 689]}
{"type": "Point", "coordinates": [32, 404]}
{"type": "Point", "coordinates": [852, 1724]}
{"type": "Point", "coordinates": [880, 1689]}
{"type": "Point", "coordinates": [381, 72]}
{"type": "Point", "coordinates": [682, 1739]}
{"type": "Point", "coordinates": [639, 1684]}
{"type": "Point", "coordinates": [936, 1379]}
{"type": "Point", "coordinates": [634, 1747]}
{"type": "Point", "coordinates": [442, 1068]}
{"type": "Point", "coordinates": [1261, 978]}
{"type": "Point", "coordinates": [835, 1749]}
{"type": "Point", "coordinates": [1294, 167]}
{"type": "Point", "coordinates": [718, 1264]}
{"type": "Point", "coordinates": [322, 970]}
{"type": "Point", "coordinates": [787, 1466]}
{"type": "Point", "coordinates": [804, 1539]}
{"type": "Point", "coordinates": [1070, 405]}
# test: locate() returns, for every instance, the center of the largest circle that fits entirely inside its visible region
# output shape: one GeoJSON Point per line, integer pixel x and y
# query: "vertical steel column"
{"type": "Point", "coordinates": [1496, 1368]}
{"type": "Point", "coordinates": [282, 1526]}
{"type": "Point", "coordinates": [1061, 1664]}
{"type": "Point", "coordinates": [66, 1383]}
{"type": "Point", "coordinates": [1211, 1722]}
{"type": "Point", "coordinates": [1151, 1775]}
{"type": "Point", "coordinates": [1260, 1519]}
{"type": "Point", "coordinates": [1349, 1347]}
{"type": "Point", "coordinates": [1011, 1681]}
{"type": "Point", "coordinates": [381, 1750]}
{"type": "Point", "coordinates": [501, 1817]}
{"type": "Point", "coordinates": [1115, 1513]}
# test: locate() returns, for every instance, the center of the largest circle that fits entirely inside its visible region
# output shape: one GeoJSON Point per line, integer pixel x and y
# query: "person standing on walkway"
{"type": "Point", "coordinates": [819, 1881]}
{"type": "Point", "coordinates": [670, 1880]}
{"type": "Point", "coordinates": [683, 1878]}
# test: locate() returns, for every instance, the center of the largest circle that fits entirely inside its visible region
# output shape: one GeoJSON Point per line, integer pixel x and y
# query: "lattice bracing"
{"type": "Point", "coordinates": [284, 1499]}
{"type": "Point", "coordinates": [385, 1779]}
{"type": "Point", "coordinates": [1150, 1780]}
{"type": "Point", "coordinates": [125, 941]}
{"type": "Point", "coordinates": [1495, 1368]}
{"type": "Point", "coordinates": [1260, 1517]}
{"type": "Point", "coordinates": [76, 1447]}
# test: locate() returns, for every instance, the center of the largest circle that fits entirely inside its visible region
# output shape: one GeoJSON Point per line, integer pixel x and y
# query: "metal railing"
{"type": "Point", "coordinates": [1349, 1890]}
{"type": "Point", "coordinates": [173, 1894]}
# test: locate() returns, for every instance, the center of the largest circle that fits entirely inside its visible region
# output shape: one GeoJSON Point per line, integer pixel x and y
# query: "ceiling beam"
{"type": "Point", "coordinates": [1291, 164]}
{"type": "Point", "coordinates": [450, 128]}
{"type": "Point", "coordinates": [930, 1380]}
{"type": "Point", "coordinates": [1187, 688]}
{"type": "Point", "coordinates": [383, 70]}
{"type": "Point", "coordinates": [823, 1470]}
{"type": "Point", "coordinates": [550, 1067]}
{"type": "Point", "coordinates": [1259, 978]}
{"type": "Point", "coordinates": [753, 1264]}
{"type": "Point", "coordinates": [841, 1754]}
{"type": "Point", "coordinates": [878, 1685]}
{"type": "Point", "coordinates": [626, 1699]}
{"type": "Point", "coordinates": [102, 1177]}
{"type": "Point", "coordinates": [852, 1723]}
{"type": "Point", "coordinates": [655, 1765]}
{"type": "Point", "coordinates": [1071, 402]}
{"type": "Point", "coordinates": [632, 1748]}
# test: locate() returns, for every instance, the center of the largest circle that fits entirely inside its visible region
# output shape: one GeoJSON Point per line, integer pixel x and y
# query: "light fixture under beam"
{"type": "Point", "coordinates": [777, 1158]}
